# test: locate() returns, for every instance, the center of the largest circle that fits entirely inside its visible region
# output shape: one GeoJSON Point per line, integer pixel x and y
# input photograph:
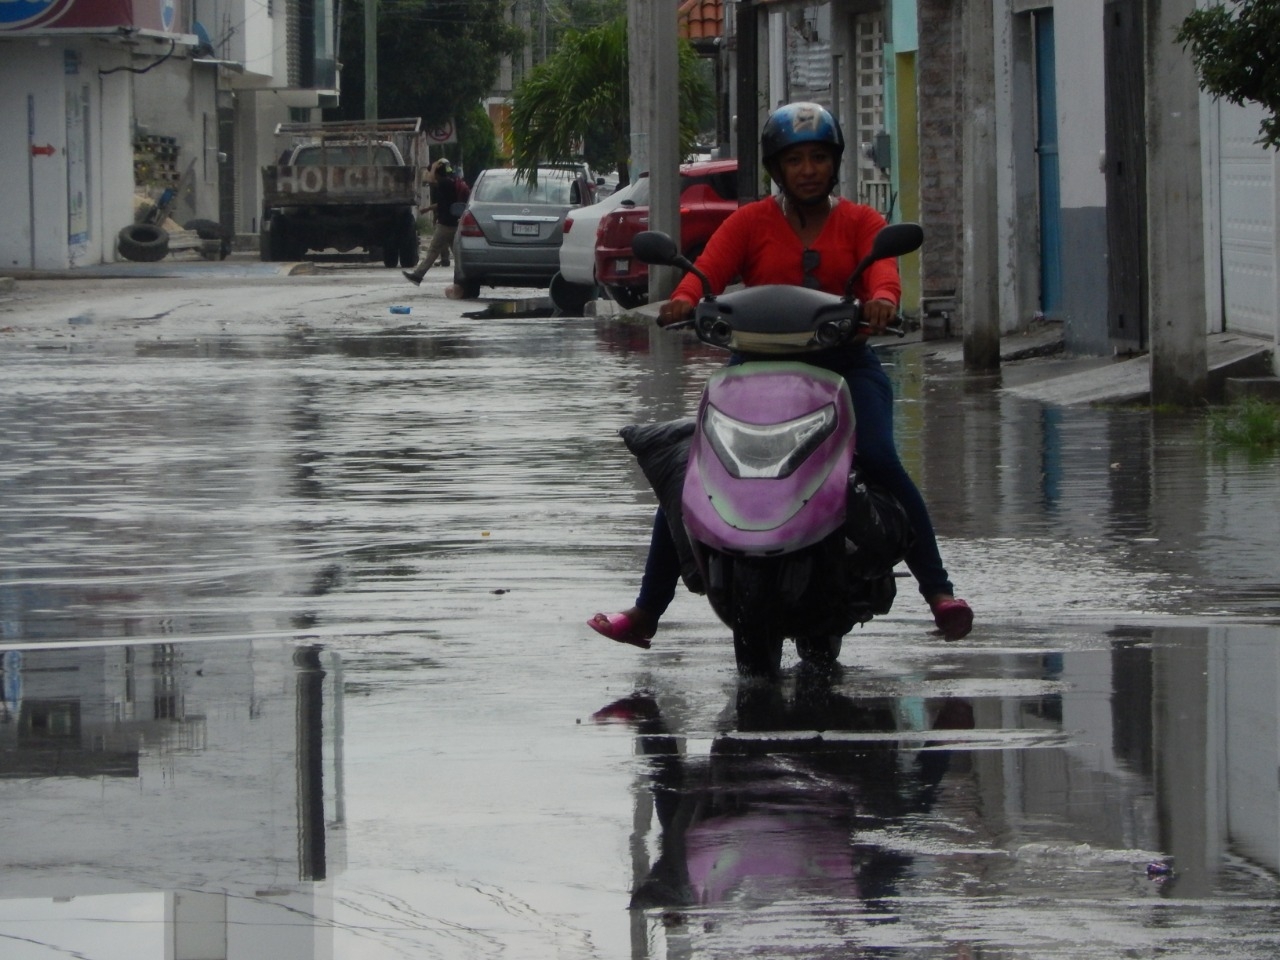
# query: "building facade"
{"type": "Point", "coordinates": [111, 102]}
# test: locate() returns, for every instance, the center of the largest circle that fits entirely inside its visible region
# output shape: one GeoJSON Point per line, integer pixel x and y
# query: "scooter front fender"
{"type": "Point", "coordinates": [769, 516]}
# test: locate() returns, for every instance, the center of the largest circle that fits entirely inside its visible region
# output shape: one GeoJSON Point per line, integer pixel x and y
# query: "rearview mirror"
{"type": "Point", "coordinates": [897, 240]}
{"type": "Point", "coordinates": [653, 246]}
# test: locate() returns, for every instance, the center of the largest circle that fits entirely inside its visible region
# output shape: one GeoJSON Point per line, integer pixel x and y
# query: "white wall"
{"type": "Point", "coordinates": [1082, 125]}
{"type": "Point", "coordinates": [179, 99]}
{"type": "Point", "coordinates": [33, 197]}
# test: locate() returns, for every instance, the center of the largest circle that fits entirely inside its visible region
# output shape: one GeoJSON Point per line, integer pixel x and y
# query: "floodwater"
{"type": "Point", "coordinates": [294, 664]}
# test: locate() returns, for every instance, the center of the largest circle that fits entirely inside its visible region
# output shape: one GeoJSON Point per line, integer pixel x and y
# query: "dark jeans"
{"type": "Point", "coordinates": [877, 458]}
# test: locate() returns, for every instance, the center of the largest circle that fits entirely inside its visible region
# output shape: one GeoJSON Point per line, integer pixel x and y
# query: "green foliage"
{"type": "Point", "coordinates": [577, 102]}
{"type": "Point", "coordinates": [477, 147]}
{"type": "Point", "coordinates": [437, 60]}
{"type": "Point", "coordinates": [1249, 423]}
{"type": "Point", "coordinates": [1234, 51]}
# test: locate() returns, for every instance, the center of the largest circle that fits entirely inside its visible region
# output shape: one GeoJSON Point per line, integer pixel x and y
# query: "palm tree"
{"type": "Point", "coordinates": [577, 99]}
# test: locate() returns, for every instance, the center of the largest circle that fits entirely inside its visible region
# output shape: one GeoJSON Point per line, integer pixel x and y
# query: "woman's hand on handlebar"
{"type": "Point", "coordinates": [877, 315]}
{"type": "Point", "coordinates": [674, 311]}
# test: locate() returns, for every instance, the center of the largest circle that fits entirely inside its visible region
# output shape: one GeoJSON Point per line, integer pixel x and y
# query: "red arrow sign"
{"type": "Point", "coordinates": [48, 150]}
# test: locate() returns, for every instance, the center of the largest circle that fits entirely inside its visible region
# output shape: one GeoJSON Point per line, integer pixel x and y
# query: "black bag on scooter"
{"type": "Point", "coordinates": [662, 449]}
{"type": "Point", "coordinates": [876, 526]}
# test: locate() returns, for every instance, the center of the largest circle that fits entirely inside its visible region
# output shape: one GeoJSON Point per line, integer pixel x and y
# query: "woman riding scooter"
{"type": "Point", "coordinates": [807, 237]}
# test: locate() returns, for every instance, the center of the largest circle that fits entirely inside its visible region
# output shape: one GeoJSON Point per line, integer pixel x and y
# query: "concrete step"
{"type": "Point", "coordinates": [1260, 388]}
{"type": "Point", "coordinates": [1229, 356]}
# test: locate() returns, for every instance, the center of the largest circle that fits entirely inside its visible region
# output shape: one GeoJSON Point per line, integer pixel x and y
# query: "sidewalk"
{"type": "Point", "coordinates": [1035, 366]}
{"type": "Point", "coordinates": [238, 264]}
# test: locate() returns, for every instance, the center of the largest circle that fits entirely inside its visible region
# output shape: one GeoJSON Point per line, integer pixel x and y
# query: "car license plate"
{"type": "Point", "coordinates": [622, 265]}
{"type": "Point", "coordinates": [524, 229]}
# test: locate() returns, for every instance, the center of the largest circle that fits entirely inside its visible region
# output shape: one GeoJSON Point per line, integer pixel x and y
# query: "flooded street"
{"type": "Point", "coordinates": [294, 663]}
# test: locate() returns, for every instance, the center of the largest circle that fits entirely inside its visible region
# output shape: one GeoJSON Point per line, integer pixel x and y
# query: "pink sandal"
{"type": "Point", "coordinates": [953, 617]}
{"type": "Point", "coordinates": [621, 627]}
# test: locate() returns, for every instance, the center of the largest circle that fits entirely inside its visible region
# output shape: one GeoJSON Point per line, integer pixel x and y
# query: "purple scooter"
{"type": "Point", "coordinates": [789, 542]}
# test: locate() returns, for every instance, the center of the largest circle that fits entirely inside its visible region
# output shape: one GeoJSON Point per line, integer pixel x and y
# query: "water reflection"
{"type": "Point", "coordinates": [1141, 497]}
{"type": "Point", "coordinates": [183, 793]}
{"type": "Point", "coordinates": [1087, 798]}
{"type": "Point", "coordinates": [444, 505]}
{"type": "Point", "coordinates": [770, 811]}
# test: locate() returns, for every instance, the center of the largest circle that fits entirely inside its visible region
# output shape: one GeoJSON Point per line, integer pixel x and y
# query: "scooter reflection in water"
{"type": "Point", "coordinates": [773, 812]}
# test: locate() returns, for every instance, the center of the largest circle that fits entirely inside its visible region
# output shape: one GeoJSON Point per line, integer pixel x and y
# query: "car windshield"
{"type": "Point", "coordinates": [346, 155]}
{"type": "Point", "coordinates": [551, 188]}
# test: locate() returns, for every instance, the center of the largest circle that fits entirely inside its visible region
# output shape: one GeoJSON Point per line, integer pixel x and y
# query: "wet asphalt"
{"type": "Point", "coordinates": [293, 655]}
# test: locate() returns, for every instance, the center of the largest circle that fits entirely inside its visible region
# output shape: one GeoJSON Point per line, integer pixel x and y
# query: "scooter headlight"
{"type": "Point", "coordinates": [772, 450]}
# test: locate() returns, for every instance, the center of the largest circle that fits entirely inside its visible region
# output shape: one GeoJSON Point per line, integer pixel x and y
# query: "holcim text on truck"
{"type": "Point", "coordinates": [338, 180]}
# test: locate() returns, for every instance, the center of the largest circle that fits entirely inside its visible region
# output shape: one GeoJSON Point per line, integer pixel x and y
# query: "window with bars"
{"type": "Point", "coordinates": [873, 183]}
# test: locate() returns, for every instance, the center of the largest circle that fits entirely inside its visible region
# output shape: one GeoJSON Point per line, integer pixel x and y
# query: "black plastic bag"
{"type": "Point", "coordinates": [877, 526]}
{"type": "Point", "coordinates": [662, 450]}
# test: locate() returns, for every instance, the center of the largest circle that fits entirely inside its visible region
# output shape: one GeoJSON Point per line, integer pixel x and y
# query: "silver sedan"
{"type": "Point", "coordinates": [511, 231]}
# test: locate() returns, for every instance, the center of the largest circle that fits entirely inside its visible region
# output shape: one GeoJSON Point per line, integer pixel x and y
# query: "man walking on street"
{"type": "Point", "coordinates": [444, 193]}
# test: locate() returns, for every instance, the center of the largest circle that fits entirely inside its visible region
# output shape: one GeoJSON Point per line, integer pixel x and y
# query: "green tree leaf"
{"type": "Point", "coordinates": [576, 102]}
{"type": "Point", "coordinates": [1234, 52]}
{"type": "Point", "coordinates": [437, 59]}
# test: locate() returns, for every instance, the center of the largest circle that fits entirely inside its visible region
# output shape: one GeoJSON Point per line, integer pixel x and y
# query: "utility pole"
{"type": "Point", "coordinates": [639, 83]}
{"type": "Point", "coordinates": [371, 59]}
{"type": "Point", "coordinates": [653, 75]}
{"type": "Point", "coordinates": [664, 141]}
{"type": "Point", "coordinates": [1175, 219]}
{"type": "Point", "coordinates": [747, 134]}
{"type": "Point", "coordinates": [980, 286]}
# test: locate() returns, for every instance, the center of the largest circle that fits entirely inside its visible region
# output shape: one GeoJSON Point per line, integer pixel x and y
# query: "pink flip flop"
{"type": "Point", "coordinates": [953, 617]}
{"type": "Point", "coordinates": [620, 627]}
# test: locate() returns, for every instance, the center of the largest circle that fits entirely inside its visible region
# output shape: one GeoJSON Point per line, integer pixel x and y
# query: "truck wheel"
{"type": "Point", "coordinates": [409, 243]}
{"type": "Point", "coordinates": [390, 253]}
{"type": "Point", "coordinates": [295, 247]}
{"type": "Point", "coordinates": [275, 239]}
{"type": "Point", "coordinates": [143, 242]}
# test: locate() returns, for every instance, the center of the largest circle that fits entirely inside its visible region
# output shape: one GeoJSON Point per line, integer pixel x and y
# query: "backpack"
{"type": "Point", "coordinates": [461, 190]}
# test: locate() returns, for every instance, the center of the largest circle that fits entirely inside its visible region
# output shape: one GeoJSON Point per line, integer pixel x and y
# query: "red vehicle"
{"type": "Point", "coordinates": [708, 194]}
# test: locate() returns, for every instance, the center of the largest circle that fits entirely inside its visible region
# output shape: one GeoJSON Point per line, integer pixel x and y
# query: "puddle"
{"type": "Point", "coordinates": [294, 663]}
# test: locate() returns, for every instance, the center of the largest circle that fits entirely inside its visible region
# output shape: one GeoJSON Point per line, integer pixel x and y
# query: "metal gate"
{"type": "Point", "coordinates": [874, 187]}
{"type": "Point", "coordinates": [1248, 222]}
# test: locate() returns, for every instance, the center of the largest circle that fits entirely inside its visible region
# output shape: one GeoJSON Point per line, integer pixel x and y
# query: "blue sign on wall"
{"type": "Point", "coordinates": [14, 13]}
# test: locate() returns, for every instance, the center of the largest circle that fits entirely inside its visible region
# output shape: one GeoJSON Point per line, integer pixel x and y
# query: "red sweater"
{"type": "Point", "coordinates": [757, 244]}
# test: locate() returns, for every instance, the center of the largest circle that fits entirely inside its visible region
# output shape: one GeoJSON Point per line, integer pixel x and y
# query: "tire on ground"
{"type": "Point", "coordinates": [211, 230]}
{"type": "Point", "coordinates": [143, 242]}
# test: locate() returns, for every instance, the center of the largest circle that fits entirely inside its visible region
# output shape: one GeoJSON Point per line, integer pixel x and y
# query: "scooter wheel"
{"type": "Point", "coordinates": [819, 651]}
{"type": "Point", "coordinates": [758, 654]}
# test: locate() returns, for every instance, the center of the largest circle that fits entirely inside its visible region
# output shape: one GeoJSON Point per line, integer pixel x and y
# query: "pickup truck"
{"type": "Point", "coordinates": [344, 185]}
